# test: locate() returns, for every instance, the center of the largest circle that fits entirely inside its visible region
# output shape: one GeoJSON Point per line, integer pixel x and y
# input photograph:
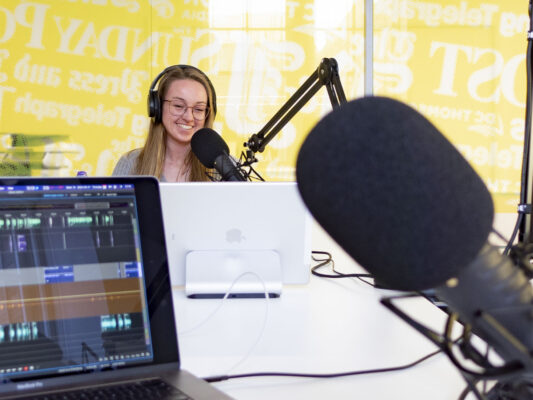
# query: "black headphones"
{"type": "Point", "coordinates": [154, 104]}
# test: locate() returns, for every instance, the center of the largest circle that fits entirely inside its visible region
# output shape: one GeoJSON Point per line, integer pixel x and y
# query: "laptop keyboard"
{"type": "Point", "coordinates": [145, 390]}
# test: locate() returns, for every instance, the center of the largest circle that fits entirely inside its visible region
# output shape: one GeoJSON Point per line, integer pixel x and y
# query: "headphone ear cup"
{"type": "Point", "coordinates": [154, 106]}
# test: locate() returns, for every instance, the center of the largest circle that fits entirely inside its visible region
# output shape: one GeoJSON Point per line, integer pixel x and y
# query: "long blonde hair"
{"type": "Point", "coordinates": [152, 154]}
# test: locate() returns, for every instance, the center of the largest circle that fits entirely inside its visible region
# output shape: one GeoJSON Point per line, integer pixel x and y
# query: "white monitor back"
{"type": "Point", "coordinates": [251, 237]}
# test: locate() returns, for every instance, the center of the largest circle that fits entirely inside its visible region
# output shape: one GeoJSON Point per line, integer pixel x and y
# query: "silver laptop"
{"type": "Point", "coordinates": [85, 296]}
{"type": "Point", "coordinates": [250, 237]}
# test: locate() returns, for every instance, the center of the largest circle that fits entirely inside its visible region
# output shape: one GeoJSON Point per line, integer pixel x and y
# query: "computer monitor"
{"type": "Point", "coordinates": [252, 237]}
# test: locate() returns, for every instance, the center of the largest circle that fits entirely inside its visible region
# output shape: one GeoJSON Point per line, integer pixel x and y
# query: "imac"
{"type": "Point", "coordinates": [241, 238]}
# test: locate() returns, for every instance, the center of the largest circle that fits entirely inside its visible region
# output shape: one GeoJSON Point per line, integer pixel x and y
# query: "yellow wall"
{"type": "Point", "coordinates": [74, 74]}
{"type": "Point", "coordinates": [462, 64]}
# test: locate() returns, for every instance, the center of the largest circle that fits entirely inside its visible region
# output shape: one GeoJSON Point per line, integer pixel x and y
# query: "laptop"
{"type": "Point", "coordinates": [249, 237]}
{"type": "Point", "coordinates": [85, 295]}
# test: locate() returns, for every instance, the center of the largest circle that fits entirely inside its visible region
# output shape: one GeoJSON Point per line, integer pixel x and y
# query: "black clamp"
{"type": "Point", "coordinates": [524, 208]}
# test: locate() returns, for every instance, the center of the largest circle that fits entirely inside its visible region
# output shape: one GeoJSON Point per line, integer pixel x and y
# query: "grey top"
{"type": "Point", "coordinates": [126, 166]}
{"type": "Point", "coordinates": [126, 163]}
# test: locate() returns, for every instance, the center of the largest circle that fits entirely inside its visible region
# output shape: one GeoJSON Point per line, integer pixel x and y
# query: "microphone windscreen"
{"type": "Point", "coordinates": [394, 193]}
{"type": "Point", "coordinates": [207, 145]}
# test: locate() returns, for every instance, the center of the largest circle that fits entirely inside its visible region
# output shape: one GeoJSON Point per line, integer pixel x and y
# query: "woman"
{"type": "Point", "coordinates": [184, 102]}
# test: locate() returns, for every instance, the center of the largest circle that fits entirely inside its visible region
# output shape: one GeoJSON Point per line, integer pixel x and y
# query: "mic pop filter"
{"type": "Point", "coordinates": [394, 193]}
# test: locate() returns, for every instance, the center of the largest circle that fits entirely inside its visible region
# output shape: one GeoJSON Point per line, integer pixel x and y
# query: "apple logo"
{"type": "Point", "coordinates": [234, 236]}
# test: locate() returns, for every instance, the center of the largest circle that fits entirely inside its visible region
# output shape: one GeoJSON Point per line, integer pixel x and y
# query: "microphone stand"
{"type": "Point", "coordinates": [523, 223]}
{"type": "Point", "coordinates": [327, 74]}
{"type": "Point", "coordinates": [513, 379]}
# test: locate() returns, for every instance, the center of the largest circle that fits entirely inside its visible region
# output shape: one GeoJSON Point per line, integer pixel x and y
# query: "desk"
{"type": "Point", "coordinates": [326, 326]}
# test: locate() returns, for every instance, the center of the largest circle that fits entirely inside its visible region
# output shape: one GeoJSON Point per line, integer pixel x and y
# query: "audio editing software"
{"type": "Point", "coordinates": [71, 293]}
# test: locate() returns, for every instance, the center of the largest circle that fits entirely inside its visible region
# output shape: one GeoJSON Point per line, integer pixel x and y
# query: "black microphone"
{"type": "Point", "coordinates": [404, 204]}
{"type": "Point", "coordinates": [213, 152]}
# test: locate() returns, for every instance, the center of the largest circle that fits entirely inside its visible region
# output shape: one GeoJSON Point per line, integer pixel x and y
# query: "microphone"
{"type": "Point", "coordinates": [213, 152]}
{"type": "Point", "coordinates": [405, 205]}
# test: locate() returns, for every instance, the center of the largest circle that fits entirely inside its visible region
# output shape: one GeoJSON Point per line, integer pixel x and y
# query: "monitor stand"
{"type": "Point", "coordinates": [242, 273]}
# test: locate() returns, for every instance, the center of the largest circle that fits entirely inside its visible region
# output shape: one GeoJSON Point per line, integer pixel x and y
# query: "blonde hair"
{"type": "Point", "coordinates": [152, 154]}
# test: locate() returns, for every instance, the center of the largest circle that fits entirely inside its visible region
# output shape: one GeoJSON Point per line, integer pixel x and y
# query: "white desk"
{"type": "Point", "coordinates": [329, 325]}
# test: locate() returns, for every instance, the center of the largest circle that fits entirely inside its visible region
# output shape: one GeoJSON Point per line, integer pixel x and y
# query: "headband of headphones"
{"type": "Point", "coordinates": [155, 109]}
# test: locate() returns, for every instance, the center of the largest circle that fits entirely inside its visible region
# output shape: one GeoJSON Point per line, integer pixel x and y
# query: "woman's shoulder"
{"type": "Point", "coordinates": [132, 154]}
{"type": "Point", "coordinates": [126, 163]}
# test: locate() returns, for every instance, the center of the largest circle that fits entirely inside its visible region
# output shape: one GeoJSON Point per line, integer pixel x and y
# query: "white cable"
{"type": "Point", "coordinates": [263, 328]}
{"type": "Point", "coordinates": [250, 350]}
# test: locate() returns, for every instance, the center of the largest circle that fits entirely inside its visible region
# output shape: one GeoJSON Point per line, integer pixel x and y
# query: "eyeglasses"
{"type": "Point", "coordinates": [178, 108]}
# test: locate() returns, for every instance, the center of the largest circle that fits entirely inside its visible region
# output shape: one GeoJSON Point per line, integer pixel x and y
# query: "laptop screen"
{"type": "Point", "coordinates": [73, 292]}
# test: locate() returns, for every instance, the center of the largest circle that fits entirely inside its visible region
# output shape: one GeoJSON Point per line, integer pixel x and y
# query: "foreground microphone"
{"type": "Point", "coordinates": [397, 196]}
{"type": "Point", "coordinates": [213, 152]}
